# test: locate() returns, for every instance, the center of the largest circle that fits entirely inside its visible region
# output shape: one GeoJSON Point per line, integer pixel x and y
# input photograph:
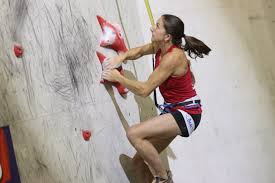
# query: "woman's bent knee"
{"type": "Point", "coordinates": [131, 134]}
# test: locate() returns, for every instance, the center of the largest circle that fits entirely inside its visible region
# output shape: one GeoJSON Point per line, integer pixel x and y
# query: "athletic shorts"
{"type": "Point", "coordinates": [187, 122]}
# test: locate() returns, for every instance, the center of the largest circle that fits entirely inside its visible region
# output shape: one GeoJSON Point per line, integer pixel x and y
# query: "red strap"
{"type": "Point", "coordinates": [171, 48]}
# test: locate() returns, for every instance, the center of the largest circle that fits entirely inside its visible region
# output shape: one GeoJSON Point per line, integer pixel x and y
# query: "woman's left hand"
{"type": "Point", "coordinates": [111, 75]}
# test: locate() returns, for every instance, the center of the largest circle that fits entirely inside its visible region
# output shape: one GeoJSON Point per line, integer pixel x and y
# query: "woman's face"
{"type": "Point", "coordinates": [158, 31]}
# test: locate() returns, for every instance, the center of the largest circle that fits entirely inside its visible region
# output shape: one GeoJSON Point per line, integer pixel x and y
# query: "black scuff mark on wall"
{"type": "Point", "coordinates": [71, 62]}
{"type": "Point", "coordinates": [70, 66]}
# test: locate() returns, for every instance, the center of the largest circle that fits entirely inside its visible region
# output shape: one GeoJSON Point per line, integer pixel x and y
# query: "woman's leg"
{"type": "Point", "coordinates": [160, 127]}
{"type": "Point", "coordinates": [142, 171]}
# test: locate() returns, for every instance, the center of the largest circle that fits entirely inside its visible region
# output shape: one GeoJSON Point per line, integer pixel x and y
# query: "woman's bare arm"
{"type": "Point", "coordinates": [166, 68]}
{"type": "Point", "coordinates": [131, 54]}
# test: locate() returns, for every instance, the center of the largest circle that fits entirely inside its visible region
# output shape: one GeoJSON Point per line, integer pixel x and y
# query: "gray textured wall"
{"type": "Point", "coordinates": [53, 92]}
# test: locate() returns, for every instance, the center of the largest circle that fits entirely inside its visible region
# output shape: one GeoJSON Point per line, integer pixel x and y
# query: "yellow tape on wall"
{"type": "Point", "coordinates": [149, 12]}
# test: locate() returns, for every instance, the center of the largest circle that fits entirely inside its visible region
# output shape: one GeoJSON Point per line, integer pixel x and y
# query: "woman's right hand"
{"type": "Point", "coordinates": [113, 62]}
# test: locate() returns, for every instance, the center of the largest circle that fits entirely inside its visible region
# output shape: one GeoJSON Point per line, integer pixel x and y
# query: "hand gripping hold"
{"type": "Point", "coordinates": [121, 89]}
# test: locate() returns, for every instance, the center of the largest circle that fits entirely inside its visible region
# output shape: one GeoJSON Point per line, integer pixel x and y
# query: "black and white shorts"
{"type": "Point", "coordinates": [187, 122]}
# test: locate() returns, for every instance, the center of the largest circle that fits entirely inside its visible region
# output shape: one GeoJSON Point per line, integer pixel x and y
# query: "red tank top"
{"type": "Point", "coordinates": [177, 88]}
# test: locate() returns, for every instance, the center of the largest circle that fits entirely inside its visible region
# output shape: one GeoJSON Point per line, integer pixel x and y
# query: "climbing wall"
{"type": "Point", "coordinates": [52, 92]}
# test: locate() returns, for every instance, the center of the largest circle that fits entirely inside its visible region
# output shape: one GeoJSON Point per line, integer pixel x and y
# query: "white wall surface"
{"type": "Point", "coordinates": [235, 141]}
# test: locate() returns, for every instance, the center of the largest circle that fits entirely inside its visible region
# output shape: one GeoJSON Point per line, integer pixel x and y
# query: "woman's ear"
{"type": "Point", "coordinates": [167, 37]}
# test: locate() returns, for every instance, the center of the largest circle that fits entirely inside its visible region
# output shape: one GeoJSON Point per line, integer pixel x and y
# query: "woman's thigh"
{"type": "Point", "coordinates": [159, 127]}
{"type": "Point", "coordinates": [161, 143]}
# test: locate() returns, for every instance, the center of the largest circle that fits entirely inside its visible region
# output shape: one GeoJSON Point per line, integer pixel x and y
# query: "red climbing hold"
{"type": "Point", "coordinates": [18, 50]}
{"type": "Point", "coordinates": [86, 134]}
{"type": "Point", "coordinates": [102, 59]}
{"type": "Point", "coordinates": [112, 36]}
{"type": "Point", "coordinates": [121, 89]}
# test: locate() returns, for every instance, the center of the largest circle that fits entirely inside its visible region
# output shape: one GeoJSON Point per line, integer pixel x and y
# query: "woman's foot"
{"type": "Point", "coordinates": [169, 174]}
{"type": "Point", "coordinates": [162, 180]}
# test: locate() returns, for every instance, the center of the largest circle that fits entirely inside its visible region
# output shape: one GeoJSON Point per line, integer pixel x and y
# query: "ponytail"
{"type": "Point", "coordinates": [195, 47]}
{"type": "Point", "coordinates": [175, 27]}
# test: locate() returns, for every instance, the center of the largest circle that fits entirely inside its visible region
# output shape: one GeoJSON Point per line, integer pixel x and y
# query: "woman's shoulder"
{"type": "Point", "coordinates": [177, 54]}
{"type": "Point", "coordinates": [173, 57]}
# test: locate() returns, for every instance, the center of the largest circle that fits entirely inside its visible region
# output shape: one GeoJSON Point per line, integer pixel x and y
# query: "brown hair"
{"type": "Point", "coordinates": [193, 46]}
